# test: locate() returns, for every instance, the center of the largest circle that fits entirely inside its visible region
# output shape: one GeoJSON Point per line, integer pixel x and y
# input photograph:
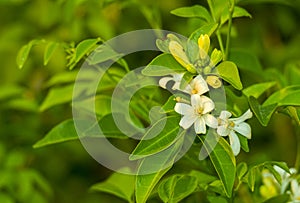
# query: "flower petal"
{"type": "Point", "coordinates": [199, 126]}
{"type": "Point", "coordinates": [208, 104]}
{"type": "Point", "coordinates": [225, 115]}
{"type": "Point", "coordinates": [234, 143]}
{"type": "Point", "coordinates": [223, 131]}
{"type": "Point", "coordinates": [184, 109]}
{"type": "Point", "coordinates": [163, 82]}
{"type": "Point", "coordinates": [200, 85]}
{"type": "Point", "coordinates": [248, 114]}
{"type": "Point", "coordinates": [196, 101]}
{"type": "Point", "coordinates": [244, 129]}
{"type": "Point", "coordinates": [210, 120]}
{"type": "Point", "coordinates": [187, 121]}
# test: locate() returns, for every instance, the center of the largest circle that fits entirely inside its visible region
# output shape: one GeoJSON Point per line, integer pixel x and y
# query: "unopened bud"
{"type": "Point", "coordinates": [203, 43]}
{"type": "Point", "coordinates": [216, 57]}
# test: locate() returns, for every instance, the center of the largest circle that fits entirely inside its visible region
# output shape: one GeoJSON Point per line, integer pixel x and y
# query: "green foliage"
{"type": "Point", "coordinates": [257, 64]}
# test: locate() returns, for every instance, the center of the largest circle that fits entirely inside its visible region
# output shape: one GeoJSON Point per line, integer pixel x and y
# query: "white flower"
{"type": "Point", "coordinates": [295, 189]}
{"type": "Point", "coordinates": [197, 86]}
{"type": "Point", "coordinates": [285, 177]}
{"type": "Point", "coordinates": [197, 113]}
{"type": "Point", "coordinates": [176, 77]}
{"type": "Point", "coordinates": [228, 126]}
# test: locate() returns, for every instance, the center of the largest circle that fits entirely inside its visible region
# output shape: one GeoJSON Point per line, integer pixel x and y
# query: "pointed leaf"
{"type": "Point", "coordinates": [49, 51]}
{"type": "Point", "coordinates": [208, 29]}
{"type": "Point", "coordinates": [258, 89]}
{"type": "Point", "coordinates": [222, 158]}
{"type": "Point", "coordinates": [237, 12]}
{"type": "Point", "coordinates": [195, 11]}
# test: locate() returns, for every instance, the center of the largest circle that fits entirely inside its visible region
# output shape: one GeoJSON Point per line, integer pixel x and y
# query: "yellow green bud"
{"type": "Point", "coordinates": [203, 43]}
{"type": "Point", "coordinates": [216, 57]}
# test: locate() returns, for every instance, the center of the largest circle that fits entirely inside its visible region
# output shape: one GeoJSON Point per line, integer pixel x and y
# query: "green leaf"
{"type": "Point", "coordinates": [163, 64]}
{"type": "Point", "coordinates": [163, 133]}
{"type": "Point", "coordinates": [245, 60]}
{"type": "Point", "coordinates": [262, 113]}
{"type": "Point", "coordinates": [83, 48]}
{"type": "Point", "coordinates": [208, 29]}
{"type": "Point", "coordinates": [278, 199]}
{"type": "Point", "coordinates": [4, 198]}
{"type": "Point", "coordinates": [65, 131]}
{"type": "Point", "coordinates": [255, 171]}
{"type": "Point", "coordinates": [222, 158]}
{"type": "Point", "coordinates": [161, 163]}
{"type": "Point", "coordinates": [24, 52]}
{"type": "Point", "coordinates": [288, 96]}
{"type": "Point", "coordinates": [195, 11]}
{"type": "Point", "coordinates": [120, 185]}
{"type": "Point", "coordinates": [177, 187]}
{"type": "Point", "coordinates": [103, 53]}
{"type": "Point", "coordinates": [241, 170]}
{"type": "Point", "coordinates": [216, 199]}
{"type": "Point", "coordinates": [258, 89]}
{"type": "Point", "coordinates": [186, 79]}
{"type": "Point", "coordinates": [203, 179]}
{"type": "Point", "coordinates": [229, 72]}
{"type": "Point", "coordinates": [62, 78]}
{"type": "Point", "coordinates": [244, 142]}
{"type": "Point", "coordinates": [8, 91]}
{"type": "Point", "coordinates": [169, 105]}
{"type": "Point", "coordinates": [237, 12]}
{"type": "Point", "coordinates": [56, 96]}
{"type": "Point", "coordinates": [49, 51]}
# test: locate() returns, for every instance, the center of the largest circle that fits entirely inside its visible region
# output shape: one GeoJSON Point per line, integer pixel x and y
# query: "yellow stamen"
{"type": "Point", "coordinates": [194, 91]}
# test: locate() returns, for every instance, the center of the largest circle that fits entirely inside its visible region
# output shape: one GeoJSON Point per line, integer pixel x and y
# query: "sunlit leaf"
{"type": "Point", "coordinates": [257, 90]}
{"type": "Point", "coordinates": [120, 185]}
{"type": "Point", "coordinates": [49, 51]}
{"type": "Point", "coordinates": [196, 11]}
{"type": "Point", "coordinates": [24, 52]}
{"type": "Point", "coordinates": [237, 12]}
{"type": "Point", "coordinates": [163, 64]}
{"type": "Point", "coordinates": [229, 72]}
{"type": "Point", "coordinates": [208, 29]}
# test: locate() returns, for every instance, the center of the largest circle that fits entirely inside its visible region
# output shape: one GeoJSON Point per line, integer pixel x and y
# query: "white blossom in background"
{"type": "Point", "coordinates": [176, 77]}
{"type": "Point", "coordinates": [197, 86]}
{"type": "Point", "coordinates": [295, 191]}
{"type": "Point", "coordinates": [285, 177]}
{"type": "Point", "coordinates": [229, 126]}
{"type": "Point", "coordinates": [198, 113]}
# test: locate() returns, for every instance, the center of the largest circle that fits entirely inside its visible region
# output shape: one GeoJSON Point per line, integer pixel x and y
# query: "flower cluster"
{"type": "Point", "coordinates": [197, 111]}
{"type": "Point", "coordinates": [288, 185]}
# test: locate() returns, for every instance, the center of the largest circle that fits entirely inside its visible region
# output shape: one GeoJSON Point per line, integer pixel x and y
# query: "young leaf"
{"type": "Point", "coordinates": [205, 29]}
{"type": "Point", "coordinates": [203, 179]}
{"type": "Point", "coordinates": [195, 11]}
{"type": "Point", "coordinates": [262, 113]}
{"type": "Point", "coordinates": [161, 163]}
{"type": "Point", "coordinates": [120, 185]}
{"type": "Point", "coordinates": [222, 158]}
{"type": "Point", "coordinates": [103, 53]}
{"type": "Point", "coordinates": [24, 52]}
{"type": "Point", "coordinates": [163, 64]}
{"type": "Point", "coordinates": [237, 12]}
{"type": "Point", "coordinates": [165, 132]}
{"type": "Point", "coordinates": [49, 51]}
{"type": "Point", "coordinates": [177, 187]}
{"type": "Point", "coordinates": [279, 199]}
{"type": "Point", "coordinates": [258, 89]}
{"type": "Point", "coordinates": [229, 72]}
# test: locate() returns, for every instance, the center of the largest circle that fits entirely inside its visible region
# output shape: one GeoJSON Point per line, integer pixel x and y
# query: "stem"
{"type": "Point", "coordinates": [231, 8]}
{"type": "Point", "coordinates": [218, 33]}
{"type": "Point", "coordinates": [297, 162]}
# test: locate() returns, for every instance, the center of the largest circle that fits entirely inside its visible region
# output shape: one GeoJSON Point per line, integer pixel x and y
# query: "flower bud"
{"type": "Point", "coordinates": [179, 54]}
{"type": "Point", "coordinates": [203, 43]}
{"type": "Point", "coordinates": [213, 81]}
{"type": "Point", "coordinates": [216, 57]}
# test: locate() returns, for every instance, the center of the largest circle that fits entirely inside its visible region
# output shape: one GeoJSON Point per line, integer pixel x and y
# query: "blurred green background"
{"type": "Point", "coordinates": [64, 172]}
